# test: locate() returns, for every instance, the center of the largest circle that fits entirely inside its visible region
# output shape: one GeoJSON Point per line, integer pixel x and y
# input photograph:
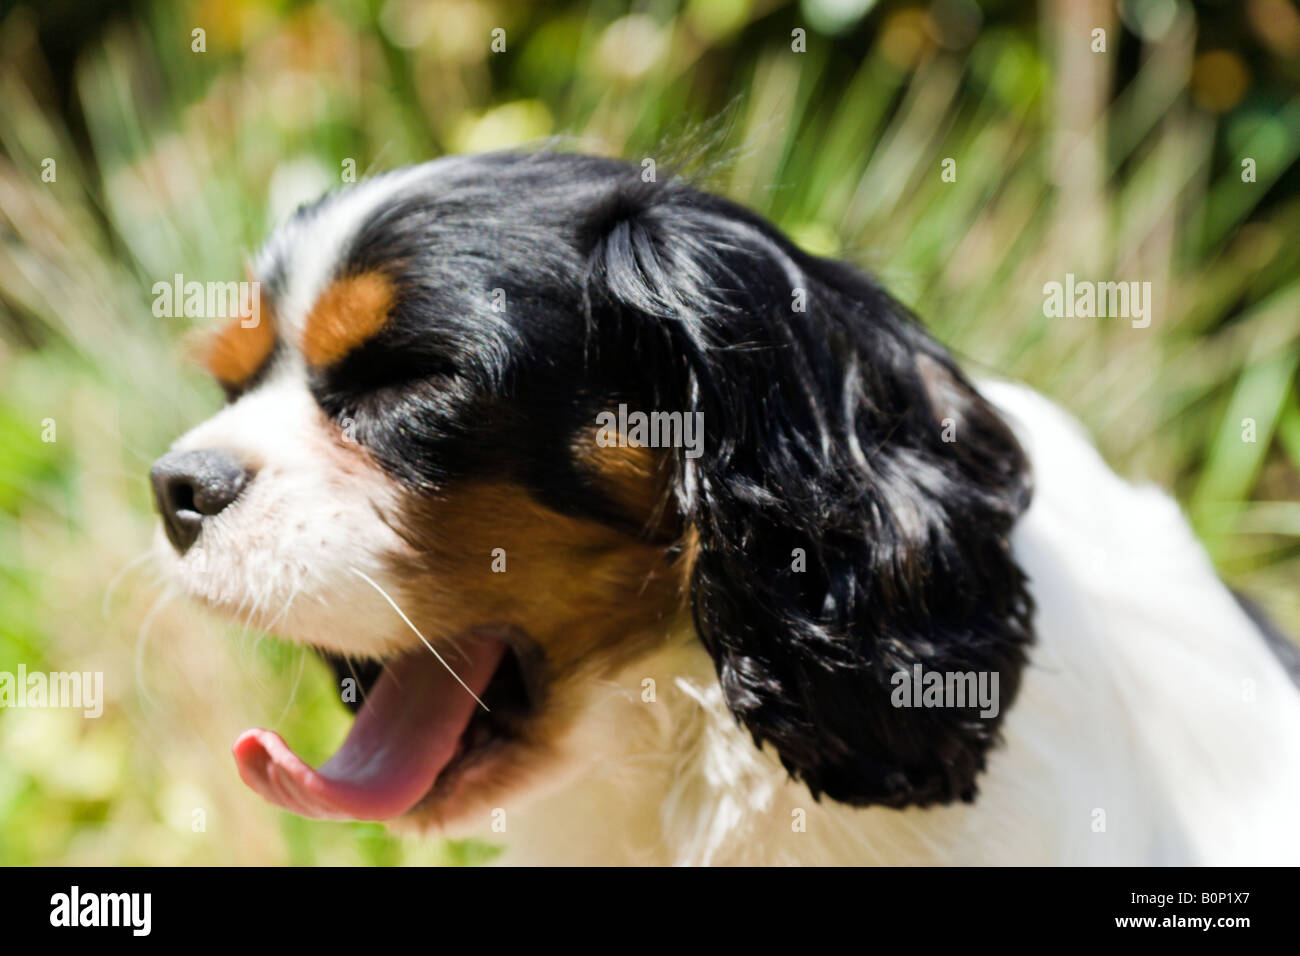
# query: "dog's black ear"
{"type": "Point", "coordinates": [852, 500]}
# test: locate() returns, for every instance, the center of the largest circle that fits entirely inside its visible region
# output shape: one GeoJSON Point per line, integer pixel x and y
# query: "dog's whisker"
{"type": "Point", "coordinates": [361, 686]}
{"type": "Point", "coordinates": [116, 579]}
{"type": "Point", "coordinates": [454, 644]}
{"type": "Point", "coordinates": [293, 691]}
{"type": "Point", "coordinates": [279, 618]}
{"type": "Point", "coordinates": [271, 626]}
{"type": "Point", "coordinates": [402, 614]}
{"type": "Point", "coordinates": [142, 640]}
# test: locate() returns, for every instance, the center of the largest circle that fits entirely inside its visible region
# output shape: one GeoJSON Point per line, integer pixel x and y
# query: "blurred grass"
{"type": "Point", "coordinates": [1108, 166]}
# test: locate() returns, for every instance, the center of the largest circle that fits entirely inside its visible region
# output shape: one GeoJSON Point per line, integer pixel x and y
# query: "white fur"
{"type": "Point", "coordinates": [281, 556]}
{"type": "Point", "coordinates": [1150, 697]}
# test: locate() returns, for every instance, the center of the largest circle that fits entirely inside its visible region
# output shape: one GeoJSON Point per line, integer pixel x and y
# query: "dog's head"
{"type": "Point", "coordinates": [506, 421]}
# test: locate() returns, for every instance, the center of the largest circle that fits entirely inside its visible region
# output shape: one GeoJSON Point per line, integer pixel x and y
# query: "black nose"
{"type": "Point", "coordinates": [192, 485]}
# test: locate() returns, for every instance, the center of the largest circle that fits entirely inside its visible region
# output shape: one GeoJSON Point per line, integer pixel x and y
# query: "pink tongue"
{"type": "Point", "coordinates": [405, 733]}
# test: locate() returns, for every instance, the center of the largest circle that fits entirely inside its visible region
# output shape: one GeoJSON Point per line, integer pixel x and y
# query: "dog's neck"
{"type": "Point", "coordinates": [675, 780]}
{"type": "Point", "coordinates": [666, 776]}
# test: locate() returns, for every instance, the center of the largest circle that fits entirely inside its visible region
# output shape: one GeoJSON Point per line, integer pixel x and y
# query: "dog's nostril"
{"type": "Point", "coordinates": [182, 496]}
{"type": "Point", "coordinates": [189, 486]}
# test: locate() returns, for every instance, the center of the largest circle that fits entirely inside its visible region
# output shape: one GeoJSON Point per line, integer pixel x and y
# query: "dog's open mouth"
{"type": "Point", "coordinates": [415, 728]}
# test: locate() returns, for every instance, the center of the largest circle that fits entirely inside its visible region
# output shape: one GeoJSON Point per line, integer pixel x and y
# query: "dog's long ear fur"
{"type": "Point", "coordinates": [824, 408]}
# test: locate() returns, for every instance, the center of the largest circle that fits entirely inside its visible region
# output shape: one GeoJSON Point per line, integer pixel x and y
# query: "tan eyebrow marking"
{"type": "Point", "coordinates": [347, 315]}
{"type": "Point", "coordinates": [634, 479]}
{"type": "Point", "coordinates": [235, 353]}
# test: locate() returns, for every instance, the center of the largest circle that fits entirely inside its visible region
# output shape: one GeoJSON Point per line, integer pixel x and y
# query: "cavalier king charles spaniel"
{"type": "Point", "coordinates": [635, 534]}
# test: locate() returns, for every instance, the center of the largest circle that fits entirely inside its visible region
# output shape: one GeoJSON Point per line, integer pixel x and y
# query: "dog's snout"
{"type": "Point", "coordinates": [190, 486]}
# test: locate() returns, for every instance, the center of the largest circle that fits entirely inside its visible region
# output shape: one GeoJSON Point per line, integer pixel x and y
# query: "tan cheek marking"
{"type": "Point", "coordinates": [347, 314]}
{"type": "Point", "coordinates": [594, 599]}
{"type": "Point", "coordinates": [235, 353]}
{"type": "Point", "coordinates": [636, 479]}
{"type": "Point", "coordinates": [590, 595]}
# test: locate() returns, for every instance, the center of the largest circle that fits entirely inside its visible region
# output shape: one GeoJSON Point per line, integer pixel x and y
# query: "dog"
{"type": "Point", "coordinates": [635, 534]}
